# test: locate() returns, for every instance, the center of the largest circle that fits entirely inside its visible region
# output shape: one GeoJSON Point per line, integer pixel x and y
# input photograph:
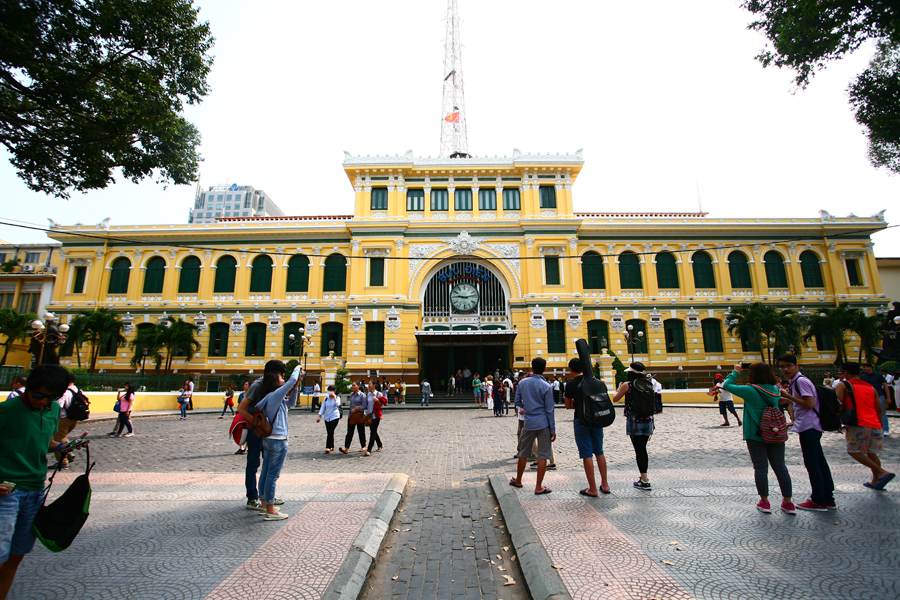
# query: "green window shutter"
{"type": "Point", "coordinates": [298, 274]}
{"type": "Point", "coordinates": [78, 285]}
{"type": "Point", "coordinates": [256, 339]}
{"type": "Point", "coordinates": [666, 271]}
{"type": "Point", "coordinates": [592, 277]}
{"type": "Point", "coordinates": [118, 278]}
{"type": "Point", "coordinates": [824, 342]}
{"type": "Point", "coordinates": [376, 272]}
{"type": "Point", "coordinates": [630, 271]}
{"type": "Point", "coordinates": [712, 335]}
{"type": "Point", "coordinates": [487, 199]}
{"type": "Point", "coordinates": [551, 270]}
{"type": "Point", "coordinates": [674, 330]}
{"type": "Point", "coordinates": [375, 338]}
{"type": "Point", "coordinates": [556, 336]}
{"type": "Point", "coordinates": [812, 272]}
{"type": "Point", "coordinates": [379, 198]}
{"type": "Point", "coordinates": [289, 349]}
{"type": "Point", "coordinates": [548, 196]}
{"type": "Point", "coordinates": [853, 272]}
{"type": "Point", "coordinates": [704, 277]}
{"type": "Point", "coordinates": [776, 276]}
{"type": "Point", "coordinates": [218, 340]}
{"type": "Point", "coordinates": [640, 342]}
{"type": "Point", "coordinates": [511, 199]}
{"type": "Point", "coordinates": [189, 280]}
{"type": "Point", "coordinates": [335, 276]}
{"type": "Point", "coordinates": [739, 270]}
{"type": "Point", "coordinates": [440, 199]}
{"type": "Point", "coordinates": [332, 332]}
{"type": "Point", "coordinates": [154, 275]}
{"type": "Point", "coordinates": [109, 347]}
{"type": "Point", "coordinates": [597, 331]}
{"type": "Point", "coordinates": [415, 200]}
{"type": "Point", "coordinates": [261, 274]}
{"type": "Point", "coordinates": [226, 270]}
{"type": "Point", "coordinates": [462, 199]}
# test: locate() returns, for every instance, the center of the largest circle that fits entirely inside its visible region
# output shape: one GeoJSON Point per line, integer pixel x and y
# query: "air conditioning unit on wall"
{"type": "Point", "coordinates": [28, 268]}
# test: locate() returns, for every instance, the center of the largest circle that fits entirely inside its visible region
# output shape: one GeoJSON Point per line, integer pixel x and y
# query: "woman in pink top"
{"type": "Point", "coordinates": [126, 403]}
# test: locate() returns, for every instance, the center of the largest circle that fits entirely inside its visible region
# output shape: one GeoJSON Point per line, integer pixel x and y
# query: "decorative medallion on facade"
{"type": "Point", "coordinates": [463, 244]}
{"type": "Point", "coordinates": [377, 252]}
{"type": "Point", "coordinates": [656, 320]}
{"type": "Point", "coordinates": [164, 318]}
{"type": "Point", "coordinates": [127, 324]}
{"type": "Point", "coordinates": [357, 320]}
{"type": "Point", "coordinates": [312, 323]}
{"type": "Point", "coordinates": [201, 322]}
{"type": "Point", "coordinates": [537, 319]}
{"type": "Point", "coordinates": [693, 320]}
{"type": "Point", "coordinates": [237, 323]}
{"type": "Point", "coordinates": [392, 321]}
{"type": "Point", "coordinates": [617, 320]}
{"type": "Point", "coordinates": [573, 318]}
{"type": "Point", "coordinates": [274, 323]}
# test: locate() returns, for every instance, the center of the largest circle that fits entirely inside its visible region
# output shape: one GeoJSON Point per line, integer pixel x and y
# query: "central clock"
{"type": "Point", "coordinates": [464, 297]}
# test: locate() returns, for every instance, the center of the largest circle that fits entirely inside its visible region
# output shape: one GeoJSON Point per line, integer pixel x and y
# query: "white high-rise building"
{"type": "Point", "coordinates": [232, 201]}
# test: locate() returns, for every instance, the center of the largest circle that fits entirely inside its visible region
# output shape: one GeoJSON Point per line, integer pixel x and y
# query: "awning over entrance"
{"type": "Point", "coordinates": [466, 338]}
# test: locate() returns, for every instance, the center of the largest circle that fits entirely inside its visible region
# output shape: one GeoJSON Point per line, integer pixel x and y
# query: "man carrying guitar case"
{"type": "Point", "coordinates": [588, 396]}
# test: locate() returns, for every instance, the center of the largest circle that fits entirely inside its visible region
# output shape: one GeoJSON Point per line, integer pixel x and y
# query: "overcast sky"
{"type": "Point", "coordinates": [665, 98]}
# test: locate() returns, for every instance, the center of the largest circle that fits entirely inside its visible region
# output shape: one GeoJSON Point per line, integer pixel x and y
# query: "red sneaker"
{"type": "Point", "coordinates": [810, 505]}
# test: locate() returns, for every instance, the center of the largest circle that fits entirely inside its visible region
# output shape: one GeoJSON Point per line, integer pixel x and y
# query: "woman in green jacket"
{"type": "Point", "coordinates": [762, 393]}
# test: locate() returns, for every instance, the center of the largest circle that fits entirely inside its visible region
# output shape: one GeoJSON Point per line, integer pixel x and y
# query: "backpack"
{"type": "Point", "coordinates": [79, 408]}
{"type": "Point", "coordinates": [848, 415]}
{"type": "Point", "coordinates": [830, 417]}
{"type": "Point", "coordinates": [596, 408]}
{"type": "Point", "coordinates": [643, 398]}
{"type": "Point", "coordinates": [58, 524]}
{"type": "Point", "coordinates": [773, 425]}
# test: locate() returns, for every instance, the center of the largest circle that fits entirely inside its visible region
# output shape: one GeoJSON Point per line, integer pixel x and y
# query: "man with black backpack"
{"type": "Point", "coordinates": [68, 422]}
{"type": "Point", "coordinates": [589, 440]}
{"type": "Point", "coordinates": [808, 425]}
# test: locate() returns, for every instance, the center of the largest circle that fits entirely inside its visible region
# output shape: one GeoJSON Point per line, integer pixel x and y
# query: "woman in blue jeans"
{"type": "Point", "coordinates": [275, 406]}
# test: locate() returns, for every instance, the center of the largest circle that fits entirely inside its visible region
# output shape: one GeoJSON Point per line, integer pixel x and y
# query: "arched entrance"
{"type": "Point", "coordinates": [465, 321]}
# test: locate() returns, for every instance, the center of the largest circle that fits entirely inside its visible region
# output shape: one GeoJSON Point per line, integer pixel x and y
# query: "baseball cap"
{"type": "Point", "coordinates": [275, 366]}
{"type": "Point", "coordinates": [635, 367]}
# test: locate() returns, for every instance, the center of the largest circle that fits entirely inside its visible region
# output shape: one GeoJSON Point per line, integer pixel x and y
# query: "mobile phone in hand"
{"type": "Point", "coordinates": [8, 485]}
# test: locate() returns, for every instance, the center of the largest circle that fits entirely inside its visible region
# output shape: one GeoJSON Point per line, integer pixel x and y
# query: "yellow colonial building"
{"type": "Point", "coordinates": [464, 262]}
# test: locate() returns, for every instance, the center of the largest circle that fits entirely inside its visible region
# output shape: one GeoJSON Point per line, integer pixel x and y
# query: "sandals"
{"type": "Point", "coordinates": [368, 454]}
{"type": "Point", "coordinates": [328, 450]}
{"type": "Point", "coordinates": [513, 483]}
{"type": "Point", "coordinates": [546, 490]}
{"type": "Point", "coordinates": [344, 450]}
{"type": "Point", "coordinates": [379, 450]}
{"type": "Point", "coordinates": [584, 492]}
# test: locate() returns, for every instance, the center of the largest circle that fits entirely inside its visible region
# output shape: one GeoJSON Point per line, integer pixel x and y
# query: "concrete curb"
{"type": "Point", "coordinates": [543, 581]}
{"type": "Point", "coordinates": [348, 583]}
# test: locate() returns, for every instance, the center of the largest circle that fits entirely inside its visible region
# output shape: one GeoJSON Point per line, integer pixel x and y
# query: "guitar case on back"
{"type": "Point", "coordinates": [596, 408]}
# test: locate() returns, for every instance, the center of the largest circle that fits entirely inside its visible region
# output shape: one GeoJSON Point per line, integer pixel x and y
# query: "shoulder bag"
{"type": "Point", "coordinates": [261, 426]}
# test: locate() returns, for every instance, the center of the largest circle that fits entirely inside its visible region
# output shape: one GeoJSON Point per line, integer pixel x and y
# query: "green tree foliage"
{"type": "Point", "coordinates": [177, 337]}
{"type": "Point", "coordinates": [146, 337]}
{"type": "Point", "coordinates": [97, 327]}
{"type": "Point", "coordinates": [88, 86]}
{"type": "Point", "coordinates": [832, 322]}
{"type": "Point", "coordinates": [341, 383]}
{"type": "Point", "coordinates": [868, 331]}
{"type": "Point", "coordinates": [807, 34]}
{"type": "Point", "coordinates": [774, 331]}
{"type": "Point", "coordinates": [13, 327]}
{"type": "Point", "coordinates": [9, 265]}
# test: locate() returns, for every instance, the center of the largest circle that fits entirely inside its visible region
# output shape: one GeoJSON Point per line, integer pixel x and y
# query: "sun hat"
{"type": "Point", "coordinates": [635, 367]}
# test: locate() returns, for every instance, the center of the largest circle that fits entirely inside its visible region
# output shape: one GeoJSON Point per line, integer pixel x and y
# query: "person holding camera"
{"type": "Point", "coordinates": [331, 410]}
{"type": "Point", "coordinates": [27, 424]}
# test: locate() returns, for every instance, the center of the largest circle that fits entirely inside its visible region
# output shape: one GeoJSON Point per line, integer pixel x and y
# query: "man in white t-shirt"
{"type": "Point", "coordinates": [726, 402]}
{"type": "Point", "coordinates": [315, 397]}
{"type": "Point", "coordinates": [555, 385]}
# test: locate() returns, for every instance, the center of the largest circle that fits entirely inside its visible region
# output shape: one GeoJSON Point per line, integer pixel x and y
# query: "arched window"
{"type": "Point", "coordinates": [226, 270]}
{"type": "Point", "coordinates": [666, 271]}
{"type": "Point", "coordinates": [639, 345]}
{"type": "Point", "coordinates": [118, 278]}
{"type": "Point", "coordinates": [256, 339]}
{"type": "Point", "coordinates": [218, 339]}
{"type": "Point", "coordinates": [298, 274]}
{"type": "Point", "coordinates": [332, 332]}
{"type": "Point", "coordinates": [335, 278]}
{"type": "Point", "coordinates": [712, 335]}
{"type": "Point", "coordinates": [592, 271]}
{"type": "Point", "coordinates": [812, 272]}
{"type": "Point", "coordinates": [598, 331]}
{"type": "Point", "coordinates": [154, 275]}
{"type": "Point", "coordinates": [630, 271]}
{"type": "Point", "coordinates": [289, 330]}
{"type": "Point", "coordinates": [189, 282]}
{"type": "Point", "coordinates": [776, 276]}
{"type": "Point", "coordinates": [674, 329]}
{"type": "Point", "coordinates": [739, 269]}
{"type": "Point", "coordinates": [261, 274]}
{"type": "Point", "coordinates": [704, 277]}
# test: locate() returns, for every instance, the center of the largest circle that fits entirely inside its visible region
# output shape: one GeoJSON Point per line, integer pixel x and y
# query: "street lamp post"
{"type": "Point", "coordinates": [143, 362]}
{"type": "Point", "coordinates": [47, 332]}
{"type": "Point", "coordinates": [299, 342]}
{"type": "Point", "coordinates": [632, 338]}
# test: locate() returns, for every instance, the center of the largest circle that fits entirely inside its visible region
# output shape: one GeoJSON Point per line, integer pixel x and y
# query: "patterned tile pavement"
{"type": "Point", "coordinates": [168, 519]}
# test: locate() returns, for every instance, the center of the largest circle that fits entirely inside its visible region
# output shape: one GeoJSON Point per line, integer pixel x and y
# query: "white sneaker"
{"type": "Point", "coordinates": [129, 435]}
{"type": "Point", "coordinates": [276, 517]}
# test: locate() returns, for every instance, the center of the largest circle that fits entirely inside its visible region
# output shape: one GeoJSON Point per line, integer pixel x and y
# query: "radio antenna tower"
{"type": "Point", "coordinates": [453, 126]}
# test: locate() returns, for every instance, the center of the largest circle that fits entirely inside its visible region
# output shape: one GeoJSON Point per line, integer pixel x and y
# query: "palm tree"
{"type": "Point", "coordinates": [147, 337]}
{"type": "Point", "coordinates": [774, 331]}
{"type": "Point", "coordinates": [176, 336]}
{"type": "Point", "coordinates": [832, 323]}
{"type": "Point", "coordinates": [14, 326]}
{"type": "Point", "coordinates": [75, 337]}
{"type": "Point", "coordinates": [868, 331]}
{"type": "Point", "coordinates": [100, 327]}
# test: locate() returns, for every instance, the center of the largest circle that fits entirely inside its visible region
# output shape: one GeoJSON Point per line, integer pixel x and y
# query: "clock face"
{"type": "Point", "coordinates": [464, 297]}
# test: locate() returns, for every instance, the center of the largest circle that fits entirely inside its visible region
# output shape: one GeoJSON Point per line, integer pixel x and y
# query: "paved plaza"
{"type": "Point", "coordinates": [168, 518]}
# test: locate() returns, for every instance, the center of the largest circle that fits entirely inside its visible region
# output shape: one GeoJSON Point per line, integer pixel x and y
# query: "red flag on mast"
{"type": "Point", "coordinates": [452, 117]}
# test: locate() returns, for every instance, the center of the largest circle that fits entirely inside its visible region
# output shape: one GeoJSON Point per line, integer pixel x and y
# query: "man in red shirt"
{"type": "Point", "coordinates": [865, 439]}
